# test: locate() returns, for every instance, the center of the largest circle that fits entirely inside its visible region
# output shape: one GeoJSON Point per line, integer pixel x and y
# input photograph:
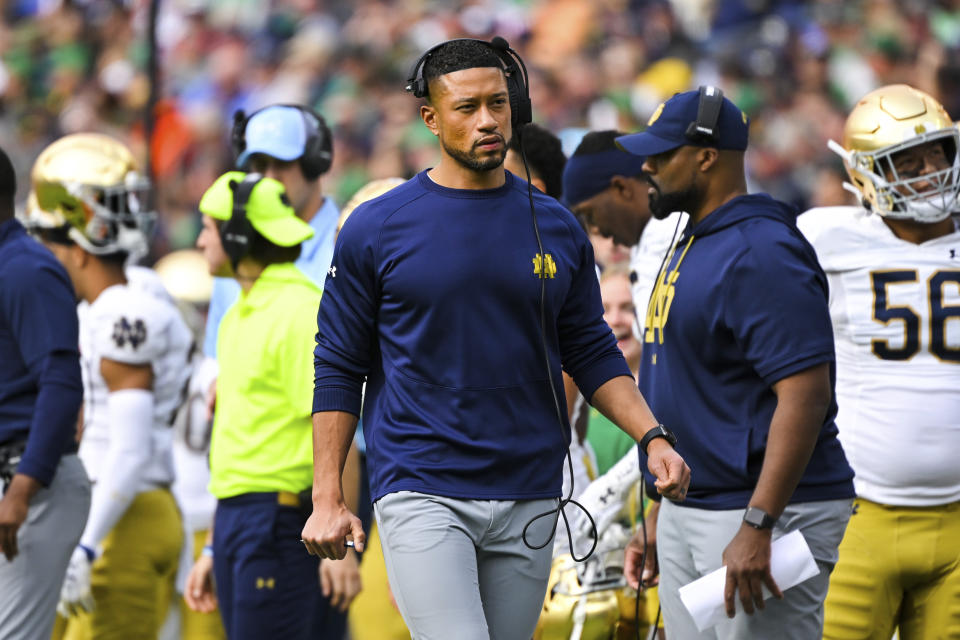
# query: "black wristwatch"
{"type": "Point", "coordinates": [658, 431]}
{"type": "Point", "coordinates": [758, 518]}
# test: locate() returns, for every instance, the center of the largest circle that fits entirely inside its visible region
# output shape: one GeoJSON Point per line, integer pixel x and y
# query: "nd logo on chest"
{"type": "Point", "coordinates": [544, 266]}
{"type": "Point", "coordinates": [658, 311]}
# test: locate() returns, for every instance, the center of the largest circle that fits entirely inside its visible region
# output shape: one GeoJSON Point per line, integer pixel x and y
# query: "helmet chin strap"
{"type": "Point", "coordinates": [927, 211]}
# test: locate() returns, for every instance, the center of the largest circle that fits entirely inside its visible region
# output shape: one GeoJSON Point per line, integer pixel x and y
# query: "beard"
{"type": "Point", "coordinates": [473, 161]}
{"type": "Point", "coordinates": [686, 200]}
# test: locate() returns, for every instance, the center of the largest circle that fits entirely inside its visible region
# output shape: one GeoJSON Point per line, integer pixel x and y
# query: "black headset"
{"type": "Point", "coordinates": [518, 88]}
{"type": "Point", "coordinates": [704, 129]}
{"type": "Point", "coordinates": [236, 234]}
{"type": "Point", "coordinates": [317, 153]}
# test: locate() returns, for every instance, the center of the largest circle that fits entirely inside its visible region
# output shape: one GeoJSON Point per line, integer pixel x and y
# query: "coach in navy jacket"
{"type": "Point", "coordinates": [46, 493]}
{"type": "Point", "coordinates": [738, 358]}
{"type": "Point", "coordinates": [434, 299]}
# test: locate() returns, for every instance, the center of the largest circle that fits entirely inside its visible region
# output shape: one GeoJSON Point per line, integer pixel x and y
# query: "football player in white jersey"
{"type": "Point", "coordinates": [89, 201]}
{"type": "Point", "coordinates": [894, 272]}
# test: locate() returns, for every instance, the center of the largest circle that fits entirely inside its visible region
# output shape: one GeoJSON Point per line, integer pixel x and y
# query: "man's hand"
{"type": "Point", "coordinates": [198, 592]}
{"type": "Point", "coordinates": [672, 473]}
{"type": "Point", "coordinates": [75, 595]}
{"type": "Point", "coordinates": [326, 531]}
{"type": "Point", "coordinates": [747, 559]}
{"type": "Point", "coordinates": [340, 580]}
{"type": "Point", "coordinates": [13, 512]}
{"type": "Point", "coordinates": [211, 399]}
{"type": "Point", "coordinates": [649, 574]}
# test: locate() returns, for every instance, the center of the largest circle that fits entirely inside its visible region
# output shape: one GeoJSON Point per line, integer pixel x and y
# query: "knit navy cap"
{"type": "Point", "coordinates": [668, 127]}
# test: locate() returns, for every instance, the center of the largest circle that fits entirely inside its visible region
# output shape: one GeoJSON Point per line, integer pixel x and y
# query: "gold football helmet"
{"type": "Point", "coordinates": [87, 185]}
{"type": "Point", "coordinates": [885, 122]}
{"type": "Point", "coordinates": [186, 276]}
{"type": "Point", "coordinates": [591, 600]}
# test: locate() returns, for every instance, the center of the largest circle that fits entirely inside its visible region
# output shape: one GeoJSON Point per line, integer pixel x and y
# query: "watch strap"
{"type": "Point", "coordinates": [658, 431]}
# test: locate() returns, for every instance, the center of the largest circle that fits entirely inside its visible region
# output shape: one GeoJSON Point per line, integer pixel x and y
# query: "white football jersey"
{"type": "Point", "coordinates": [895, 307]}
{"type": "Point", "coordinates": [131, 325]}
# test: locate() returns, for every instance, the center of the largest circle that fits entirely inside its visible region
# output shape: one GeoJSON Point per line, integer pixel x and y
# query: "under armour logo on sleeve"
{"type": "Point", "coordinates": [332, 271]}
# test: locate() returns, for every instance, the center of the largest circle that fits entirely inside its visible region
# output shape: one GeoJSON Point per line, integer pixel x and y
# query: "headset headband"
{"type": "Point", "coordinates": [708, 113]}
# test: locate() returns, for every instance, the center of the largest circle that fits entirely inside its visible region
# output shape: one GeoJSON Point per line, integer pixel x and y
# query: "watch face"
{"type": "Point", "coordinates": [757, 518]}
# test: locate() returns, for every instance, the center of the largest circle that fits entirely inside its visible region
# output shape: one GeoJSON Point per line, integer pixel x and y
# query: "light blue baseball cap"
{"type": "Point", "coordinates": [278, 131]}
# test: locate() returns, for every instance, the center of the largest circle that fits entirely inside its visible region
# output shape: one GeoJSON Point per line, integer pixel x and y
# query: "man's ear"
{"type": "Point", "coordinates": [430, 118]}
{"type": "Point", "coordinates": [624, 187]}
{"type": "Point", "coordinates": [707, 158]}
{"type": "Point", "coordinates": [78, 256]}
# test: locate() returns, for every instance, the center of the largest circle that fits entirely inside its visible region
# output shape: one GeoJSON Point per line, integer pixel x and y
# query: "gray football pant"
{"type": "Point", "coordinates": [459, 568]}
{"type": "Point", "coordinates": [690, 543]}
{"type": "Point", "coordinates": [31, 583]}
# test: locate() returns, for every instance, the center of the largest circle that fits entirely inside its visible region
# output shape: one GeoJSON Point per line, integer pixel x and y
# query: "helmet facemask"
{"type": "Point", "coordinates": [102, 220]}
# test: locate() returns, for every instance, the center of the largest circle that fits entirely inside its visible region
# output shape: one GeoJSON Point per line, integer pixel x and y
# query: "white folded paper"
{"type": "Point", "coordinates": [790, 564]}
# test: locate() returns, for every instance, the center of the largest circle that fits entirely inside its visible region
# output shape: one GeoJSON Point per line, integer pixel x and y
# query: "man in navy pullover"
{"type": "Point", "coordinates": [46, 493]}
{"type": "Point", "coordinates": [738, 358]}
{"type": "Point", "coordinates": [433, 298]}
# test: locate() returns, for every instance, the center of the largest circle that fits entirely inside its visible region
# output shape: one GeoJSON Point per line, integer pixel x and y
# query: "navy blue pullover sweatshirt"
{"type": "Point", "coordinates": [40, 384]}
{"type": "Point", "coordinates": [434, 298]}
{"type": "Point", "coordinates": [746, 306]}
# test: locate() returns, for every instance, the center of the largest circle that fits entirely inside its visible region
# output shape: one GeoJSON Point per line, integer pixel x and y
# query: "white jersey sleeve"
{"type": "Point", "coordinates": [895, 307]}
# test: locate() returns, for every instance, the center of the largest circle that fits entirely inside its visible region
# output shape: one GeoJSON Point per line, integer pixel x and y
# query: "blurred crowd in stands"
{"type": "Point", "coordinates": [795, 68]}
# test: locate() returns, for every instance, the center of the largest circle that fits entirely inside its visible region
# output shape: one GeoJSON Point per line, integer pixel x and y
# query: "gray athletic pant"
{"type": "Point", "coordinates": [30, 585]}
{"type": "Point", "coordinates": [459, 568]}
{"type": "Point", "coordinates": [690, 543]}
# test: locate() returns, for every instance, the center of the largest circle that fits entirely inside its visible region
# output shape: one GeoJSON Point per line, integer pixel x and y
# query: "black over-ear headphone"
{"type": "Point", "coordinates": [236, 234]}
{"type": "Point", "coordinates": [704, 129]}
{"type": "Point", "coordinates": [518, 88]}
{"type": "Point", "coordinates": [317, 153]}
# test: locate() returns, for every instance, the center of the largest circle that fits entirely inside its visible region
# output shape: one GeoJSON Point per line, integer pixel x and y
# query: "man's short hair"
{"type": "Point", "coordinates": [598, 142]}
{"type": "Point", "coordinates": [8, 186]}
{"type": "Point", "coordinates": [262, 250]}
{"type": "Point", "coordinates": [267, 253]}
{"type": "Point", "coordinates": [458, 55]}
{"type": "Point", "coordinates": [545, 156]}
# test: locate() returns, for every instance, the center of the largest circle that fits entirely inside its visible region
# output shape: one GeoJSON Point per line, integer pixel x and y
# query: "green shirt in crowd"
{"type": "Point", "coordinates": [262, 433]}
{"type": "Point", "coordinates": [609, 441]}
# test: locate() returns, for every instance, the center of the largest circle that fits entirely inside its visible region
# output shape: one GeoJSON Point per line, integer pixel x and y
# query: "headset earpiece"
{"type": "Point", "coordinates": [237, 232]}
{"type": "Point", "coordinates": [704, 129]}
{"type": "Point", "coordinates": [318, 149]}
